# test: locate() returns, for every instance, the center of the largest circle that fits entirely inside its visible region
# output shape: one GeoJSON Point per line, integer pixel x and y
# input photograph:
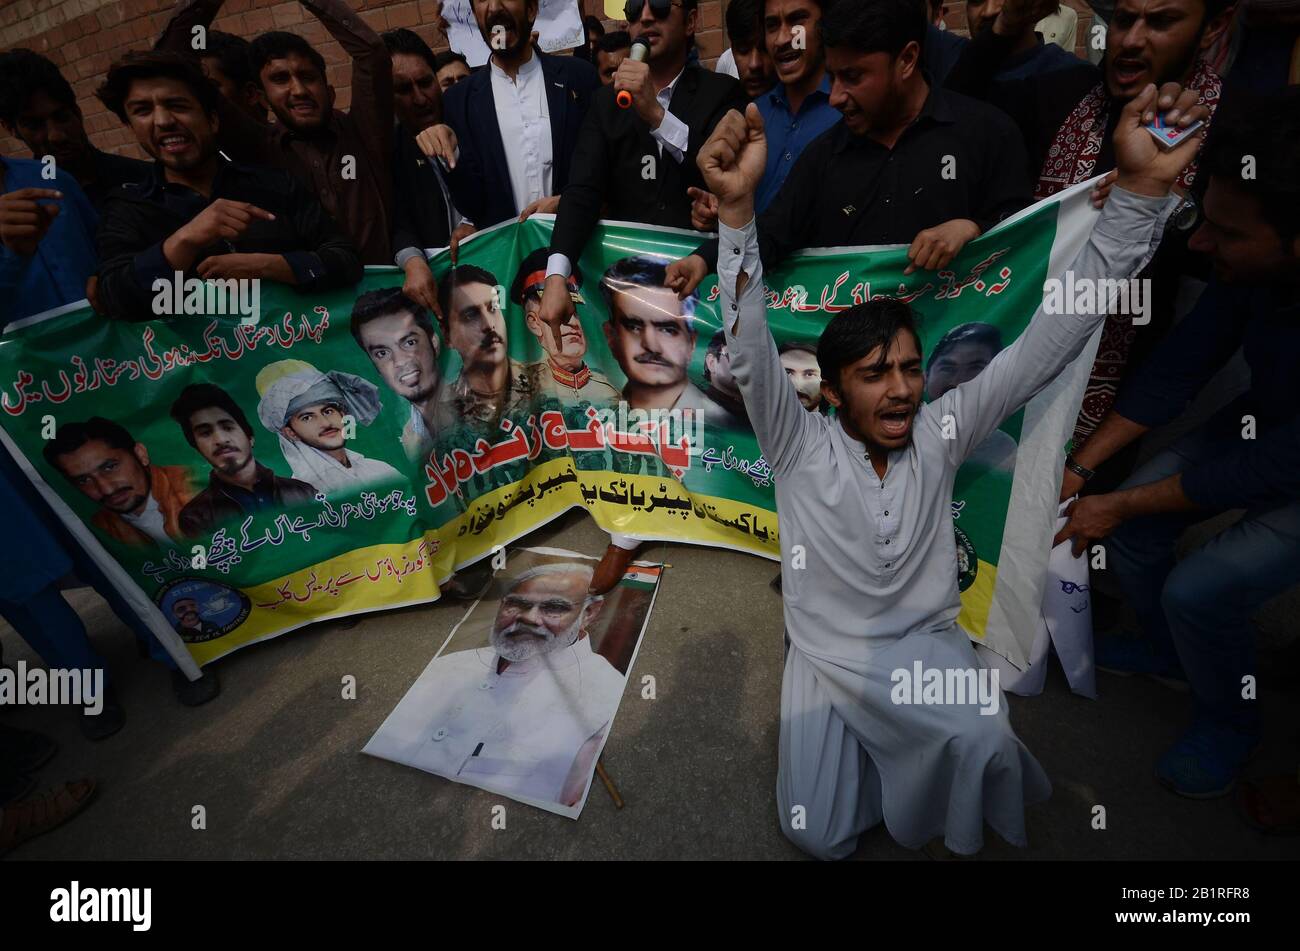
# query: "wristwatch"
{"type": "Point", "coordinates": [1083, 472]}
{"type": "Point", "coordinates": [1186, 214]}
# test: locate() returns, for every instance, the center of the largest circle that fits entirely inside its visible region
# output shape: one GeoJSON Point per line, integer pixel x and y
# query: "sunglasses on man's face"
{"type": "Point", "coordinates": [658, 9]}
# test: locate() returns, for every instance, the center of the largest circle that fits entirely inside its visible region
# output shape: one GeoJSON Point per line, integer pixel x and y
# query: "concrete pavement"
{"type": "Point", "coordinates": [276, 762]}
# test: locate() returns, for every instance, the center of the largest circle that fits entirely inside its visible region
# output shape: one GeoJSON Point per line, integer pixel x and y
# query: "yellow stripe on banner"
{"type": "Point", "coordinates": [403, 573]}
{"type": "Point", "coordinates": [705, 519]}
{"type": "Point", "coordinates": [639, 505]}
{"type": "Point", "coordinates": [365, 579]}
{"type": "Point", "coordinates": [977, 600]}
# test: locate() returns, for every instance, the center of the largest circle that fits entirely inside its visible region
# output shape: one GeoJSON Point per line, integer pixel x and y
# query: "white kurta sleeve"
{"type": "Point", "coordinates": [1122, 242]}
{"type": "Point", "coordinates": [780, 422]}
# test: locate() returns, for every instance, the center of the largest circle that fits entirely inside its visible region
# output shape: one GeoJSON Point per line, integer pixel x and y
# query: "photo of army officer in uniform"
{"type": "Point", "coordinates": [490, 385]}
{"type": "Point", "coordinates": [564, 374]}
{"type": "Point", "coordinates": [189, 623]}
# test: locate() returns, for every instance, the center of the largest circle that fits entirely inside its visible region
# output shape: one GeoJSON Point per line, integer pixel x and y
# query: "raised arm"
{"type": "Point", "coordinates": [987, 52]}
{"type": "Point", "coordinates": [242, 137]}
{"type": "Point", "coordinates": [785, 227]}
{"type": "Point", "coordinates": [372, 70]}
{"type": "Point", "coordinates": [178, 35]}
{"type": "Point", "coordinates": [732, 162]}
{"type": "Point", "coordinates": [1123, 240]}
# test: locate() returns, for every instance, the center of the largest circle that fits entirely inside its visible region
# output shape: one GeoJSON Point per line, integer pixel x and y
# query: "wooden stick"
{"type": "Point", "coordinates": [609, 783]}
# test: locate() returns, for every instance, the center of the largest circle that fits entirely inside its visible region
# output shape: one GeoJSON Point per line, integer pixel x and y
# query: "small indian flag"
{"type": "Point", "coordinates": [644, 577]}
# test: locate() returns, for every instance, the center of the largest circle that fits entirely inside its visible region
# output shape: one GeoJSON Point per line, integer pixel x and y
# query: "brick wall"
{"type": "Point", "coordinates": [84, 36]}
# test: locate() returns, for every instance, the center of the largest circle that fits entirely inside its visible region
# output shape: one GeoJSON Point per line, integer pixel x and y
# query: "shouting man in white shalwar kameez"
{"type": "Point", "coordinates": [867, 498]}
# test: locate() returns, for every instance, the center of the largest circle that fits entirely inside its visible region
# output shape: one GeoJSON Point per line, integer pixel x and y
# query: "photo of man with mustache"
{"type": "Point", "coordinates": [800, 362]}
{"type": "Point", "coordinates": [190, 624]}
{"type": "Point", "coordinates": [139, 502]}
{"type": "Point", "coordinates": [728, 409]}
{"type": "Point", "coordinates": [652, 336]}
{"type": "Point", "coordinates": [524, 715]}
{"type": "Point", "coordinates": [564, 374]}
{"type": "Point", "coordinates": [307, 410]}
{"type": "Point", "coordinates": [238, 484]}
{"type": "Point", "coordinates": [490, 383]}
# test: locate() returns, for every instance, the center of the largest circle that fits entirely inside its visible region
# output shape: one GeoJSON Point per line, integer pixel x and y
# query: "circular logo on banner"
{"type": "Point", "coordinates": [201, 610]}
{"type": "Point", "coordinates": [968, 563]}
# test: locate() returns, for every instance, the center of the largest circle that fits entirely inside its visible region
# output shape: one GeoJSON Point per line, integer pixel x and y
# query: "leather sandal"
{"type": "Point", "coordinates": [43, 812]}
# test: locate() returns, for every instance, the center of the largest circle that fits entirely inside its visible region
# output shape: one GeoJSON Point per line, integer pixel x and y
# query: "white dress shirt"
{"type": "Point", "coordinates": [524, 118]}
{"type": "Point", "coordinates": [516, 732]}
{"type": "Point", "coordinates": [672, 133]}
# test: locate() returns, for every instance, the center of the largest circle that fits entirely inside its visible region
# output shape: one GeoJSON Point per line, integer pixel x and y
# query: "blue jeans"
{"type": "Point", "coordinates": [44, 619]}
{"type": "Point", "coordinates": [53, 630]}
{"type": "Point", "coordinates": [1201, 607]}
{"type": "Point", "coordinates": [89, 571]}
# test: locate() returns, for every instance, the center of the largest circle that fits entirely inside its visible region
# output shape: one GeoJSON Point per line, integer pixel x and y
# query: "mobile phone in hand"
{"type": "Point", "coordinates": [1170, 135]}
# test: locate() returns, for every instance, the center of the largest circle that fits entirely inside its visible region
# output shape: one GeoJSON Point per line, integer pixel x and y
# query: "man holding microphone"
{"type": "Point", "coordinates": [636, 158]}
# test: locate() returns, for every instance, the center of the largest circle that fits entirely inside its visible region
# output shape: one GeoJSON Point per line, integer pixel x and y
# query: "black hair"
{"type": "Point", "coordinates": [199, 396]}
{"type": "Point", "coordinates": [860, 330]}
{"type": "Point", "coordinates": [977, 332]}
{"type": "Point", "coordinates": [645, 272]}
{"type": "Point", "coordinates": [744, 21]}
{"type": "Point", "coordinates": [874, 26]}
{"type": "Point", "coordinates": [232, 55]}
{"type": "Point", "coordinates": [1215, 7]}
{"type": "Point", "coordinates": [24, 73]}
{"type": "Point", "coordinates": [590, 23]}
{"type": "Point", "coordinates": [614, 41]}
{"type": "Point", "coordinates": [459, 277]}
{"type": "Point", "coordinates": [385, 302]}
{"type": "Point", "coordinates": [1267, 129]}
{"type": "Point", "coordinates": [447, 57]}
{"type": "Point", "coordinates": [278, 44]}
{"type": "Point", "coordinates": [534, 262]}
{"type": "Point", "coordinates": [409, 42]}
{"type": "Point", "coordinates": [151, 65]}
{"type": "Point", "coordinates": [72, 436]}
{"type": "Point", "coordinates": [716, 343]}
{"type": "Point", "coordinates": [799, 346]}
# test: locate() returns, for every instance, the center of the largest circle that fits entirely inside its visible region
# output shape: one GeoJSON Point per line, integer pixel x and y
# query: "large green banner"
{"type": "Point", "coordinates": [339, 454]}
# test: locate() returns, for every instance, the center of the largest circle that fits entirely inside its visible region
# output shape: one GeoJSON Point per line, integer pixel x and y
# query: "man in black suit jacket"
{"type": "Point", "coordinates": [534, 101]}
{"type": "Point", "coordinates": [638, 162]}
